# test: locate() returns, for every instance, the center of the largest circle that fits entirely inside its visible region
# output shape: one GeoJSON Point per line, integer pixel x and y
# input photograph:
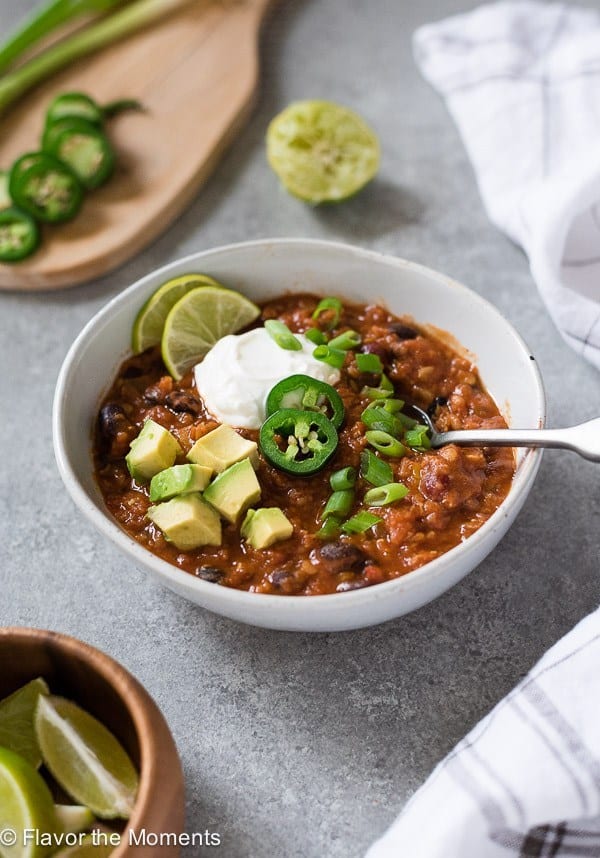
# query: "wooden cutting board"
{"type": "Point", "coordinates": [196, 72]}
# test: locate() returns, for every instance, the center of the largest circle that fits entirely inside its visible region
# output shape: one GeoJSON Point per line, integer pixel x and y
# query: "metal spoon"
{"type": "Point", "coordinates": [583, 439]}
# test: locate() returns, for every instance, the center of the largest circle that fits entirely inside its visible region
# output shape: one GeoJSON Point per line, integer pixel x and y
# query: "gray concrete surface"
{"type": "Point", "coordinates": [299, 745]}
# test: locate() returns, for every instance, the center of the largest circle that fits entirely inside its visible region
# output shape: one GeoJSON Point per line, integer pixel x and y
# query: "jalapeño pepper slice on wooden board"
{"type": "Point", "coordinates": [307, 394]}
{"type": "Point", "coordinates": [19, 235]}
{"type": "Point", "coordinates": [45, 188]}
{"type": "Point", "coordinates": [298, 442]}
{"type": "Point", "coordinates": [83, 147]}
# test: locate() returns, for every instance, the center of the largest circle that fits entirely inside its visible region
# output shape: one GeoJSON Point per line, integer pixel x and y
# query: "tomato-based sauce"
{"type": "Point", "coordinates": [452, 490]}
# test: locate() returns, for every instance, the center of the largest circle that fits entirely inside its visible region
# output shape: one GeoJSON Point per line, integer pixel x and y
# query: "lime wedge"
{"type": "Point", "coordinates": [16, 721]}
{"type": "Point", "coordinates": [73, 818]}
{"type": "Point", "coordinates": [86, 849]}
{"type": "Point", "coordinates": [321, 151]}
{"type": "Point", "coordinates": [85, 758]}
{"type": "Point", "coordinates": [150, 321]}
{"type": "Point", "coordinates": [198, 320]}
{"type": "Point", "coordinates": [25, 803]}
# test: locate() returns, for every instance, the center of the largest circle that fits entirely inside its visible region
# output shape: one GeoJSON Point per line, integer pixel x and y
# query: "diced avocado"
{"type": "Point", "coordinates": [187, 521]}
{"type": "Point", "coordinates": [221, 448]}
{"type": "Point", "coordinates": [152, 451]}
{"type": "Point", "coordinates": [233, 491]}
{"type": "Point", "coordinates": [179, 480]}
{"type": "Point", "coordinates": [263, 527]}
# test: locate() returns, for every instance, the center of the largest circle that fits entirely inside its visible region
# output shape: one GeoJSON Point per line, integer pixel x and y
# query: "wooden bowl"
{"type": "Point", "coordinates": [105, 689]}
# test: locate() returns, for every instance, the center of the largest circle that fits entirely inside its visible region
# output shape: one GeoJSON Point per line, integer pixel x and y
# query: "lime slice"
{"type": "Point", "coordinates": [73, 818]}
{"type": "Point", "coordinates": [198, 320]}
{"type": "Point", "coordinates": [16, 721]}
{"type": "Point", "coordinates": [150, 321]}
{"type": "Point", "coordinates": [321, 151]}
{"type": "Point", "coordinates": [85, 758]}
{"type": "Point", "coordinates": [25, 803]}
{"type": "Point", "coordinates": [88, 848]}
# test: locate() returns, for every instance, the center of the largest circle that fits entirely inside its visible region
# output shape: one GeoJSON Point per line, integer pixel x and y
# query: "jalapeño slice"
{"type": "Point", "coordinates": [45, 188]}
{"type": "Point", "coordinates": [298, 442]}
{"type": "Point", "coordinates": [83, 147]}
{"type": "Point", "coordinates": [19, 235]}
{"type": "Point", "coordinates": [304, 393]}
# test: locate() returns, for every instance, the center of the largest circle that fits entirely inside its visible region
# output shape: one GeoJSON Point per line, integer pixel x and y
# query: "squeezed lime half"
{"type": "Point", "coordinates": [321, 151]}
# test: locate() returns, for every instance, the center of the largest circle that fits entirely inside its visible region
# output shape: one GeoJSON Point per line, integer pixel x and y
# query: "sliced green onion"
{"type": "Point", "coordinates": [343, 479]}
{"type": "Point", "coordinates": [360, 523]}
{"type": "Point", "coordinates": [375, 417]}
{"type": "Point", "coordinates": [385, 389]}
{"type": "Point", "coordinates": [418, 438]}
{"type": "Point", "coordinates": [339, 504]}
{"type": "Point", "coordinates": [282, 335]}
{"type": "Point", "coordinates": [407, 422]}
{"type": "Point", "coordinates": [330, 529]}
{"type": "Point", "coordinates": [385, 443]}
{"type": "Point", "coordinates": [369, 363]}
{"type": "Point", "coordinates": [346, 341]}
{"type": "Point", "coordinates": [386, 494]}
{"type": "Point", "coordinates": [333, 304]}
{"type": "Point", "coordinates": [390, 405]}
{"type": "Point", "coordinates": [374, 470]}
{"type": "Point", "coordinates": [333, 357]}
{"type": "Point", "coordinates": [316, 336]}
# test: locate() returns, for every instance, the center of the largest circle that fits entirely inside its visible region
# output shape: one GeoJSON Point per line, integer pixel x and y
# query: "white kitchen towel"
{"type": "Point", "coordinates": [526, 780]}
{"type": "Point", "coordinates": [522, 81]}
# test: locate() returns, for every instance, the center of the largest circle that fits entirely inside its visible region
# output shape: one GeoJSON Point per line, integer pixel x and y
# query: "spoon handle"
{"type": "Point", "coordinates": [583, 439]}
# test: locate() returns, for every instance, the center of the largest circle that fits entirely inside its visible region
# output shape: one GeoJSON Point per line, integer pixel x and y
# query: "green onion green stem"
{"type": "Point", "coordinates": [329, 530]}
{"type": "Point", "coordinates": [334, 305]}
{"type": "Point", "coordinates": [343, 479]}
{"type": "Point", "coordinates": [418, 438]}
{"type": "Point", "coordinates": [339, 504]}
{"type": "Point", "coordinates": [360, 523]}
{"type": "Point", "coordinates": [386, 494]}
{"type": "Point", "coordinates": [132, 17]}
{"type": "Point", "coordinates": [385, 443]}
{"type": "Point", "coordinates": [384, 391]}
{"type": "Point", "coordinates": [375, 470]}
{"type": "Point", "coordinates": [282, 335]}
{"type": "Point", "coordinates": [316, 336]}
{"type": "Point", "coordinates": [346, 341]}
{"type": "Point", "coordinates": [332, 357]}
{"type": "Point", "coordinates": [369, 363]}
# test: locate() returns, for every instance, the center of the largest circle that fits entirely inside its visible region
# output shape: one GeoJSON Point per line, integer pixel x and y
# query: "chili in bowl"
{"type": "Point", "coordinates": [267, 464]}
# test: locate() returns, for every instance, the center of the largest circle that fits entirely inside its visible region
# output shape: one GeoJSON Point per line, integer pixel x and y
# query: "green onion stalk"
{"type": "Point", "coordinates": [133, 17]}
{"type": "Point", "coordinates": [45, 20]}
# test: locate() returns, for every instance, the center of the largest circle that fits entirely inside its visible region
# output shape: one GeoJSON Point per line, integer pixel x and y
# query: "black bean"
{"type": "Point", "coordinates": [280, 577]}
{"type": "Point", "coordinates": [210, 573]}
{"type": "Point", "coordinates": [180, 400]}
{"type": "Point", "coordinates": [438, 402]}
{"type": "Point", "coordinates": [112, 420]}
{"type": "Point", "coordinates": [403, 332]}
{"type": "Point", "coordinates": [154, 394]}
{"type": "Point", "coordinates": [341, 556]}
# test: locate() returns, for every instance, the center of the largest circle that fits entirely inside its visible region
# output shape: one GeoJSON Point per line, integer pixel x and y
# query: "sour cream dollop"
{"type": "Point", "coordinates": [239, 371]}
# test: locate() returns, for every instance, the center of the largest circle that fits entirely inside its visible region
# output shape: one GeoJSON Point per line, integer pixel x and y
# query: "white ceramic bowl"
{"type": "Point", "coordinates": [261, 270]}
